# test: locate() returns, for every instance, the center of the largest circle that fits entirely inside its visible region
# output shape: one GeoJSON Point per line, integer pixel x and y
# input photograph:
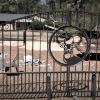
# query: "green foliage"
{"type": "Point", "coordinates": [30, 6]}
{"type": "Point", "coordinates": [18, 6]}
{"type": "Point", "coordinates": [37, 25]}
{"type": "Point", "coordinates": [89, 5]}
{"type": "Point", "coordinates": [25, 6]}
{"type": "Point", "coordinates": [4, 8]}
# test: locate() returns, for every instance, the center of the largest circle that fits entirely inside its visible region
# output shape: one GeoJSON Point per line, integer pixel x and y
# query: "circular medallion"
{"type": "Point", "coordinates": [66, 43]}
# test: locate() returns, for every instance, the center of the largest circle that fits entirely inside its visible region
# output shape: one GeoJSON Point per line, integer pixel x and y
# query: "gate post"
{"type": "Point", "coordinates": [68, 81]}
{"type": "Point", "coordinates": [93, 86]}
{"type": "Point", "coordinates": [48, 87]}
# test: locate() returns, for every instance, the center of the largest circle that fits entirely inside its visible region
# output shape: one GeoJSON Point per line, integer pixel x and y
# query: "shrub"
{"type": "Point", "coordinates": [37, 25]}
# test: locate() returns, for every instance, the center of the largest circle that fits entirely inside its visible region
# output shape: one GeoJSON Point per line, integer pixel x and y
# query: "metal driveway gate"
{"type": "Point", "coordinates": [28, 70]}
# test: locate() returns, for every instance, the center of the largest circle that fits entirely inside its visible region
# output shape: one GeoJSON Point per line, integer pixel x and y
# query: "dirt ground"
{"type": "Point", "coordinates": [39, 49]}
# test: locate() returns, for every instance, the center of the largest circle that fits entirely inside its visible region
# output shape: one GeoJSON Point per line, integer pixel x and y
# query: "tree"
{"type": "Point", "coordinates": [52, 4]}
{"type": "Point", "coordinates": [89, 5]}
{"type": "Point", "coordinates": [17, 6]}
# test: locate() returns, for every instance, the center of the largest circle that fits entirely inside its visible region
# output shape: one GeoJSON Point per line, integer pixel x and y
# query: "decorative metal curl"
{"type": "Point", "coordinates": [69, 38]}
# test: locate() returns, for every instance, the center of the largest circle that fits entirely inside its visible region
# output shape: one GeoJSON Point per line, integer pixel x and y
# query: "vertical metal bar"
{"type": "Point", "coordinates": [10, 56]}
{"type": "Point", "coordinates": [24, 37]}
{"type": "Point", "coordinates": [21, 82]}
{"type": "Point", "coordinates": [83, 26]}
{"type": "Point", "coordinates": [88, 77]}
{"type": "Point", "coordinates": [29, 83]}
{"type": "Point", "coordinates": [17, 83]}
{"type": "Point", "coordinates": [78, 82]}
{"type": "Point", "coordinates": [85, 79]}
{"type": "Point", "coordinates": [93, 86]}
{"type": "Point", "coordinates": [71, 80]}
{"type": "Point", "coordinates": [10, 47]}
{"type": "Point", "coordinates": [64, 80]}
{"type": "Point", "coordinates": [32, 46]}
{"type": "Point", "coordinates": [14, 84]}
{"type": "Point", "coordinates": [6, 84]}
{"type": "Point", "coordinates": [17, 54]}
{"type": "Point", "coordinates": [2, 56]}
{"type": "Point", "coordinates": [97, 25]}
{"type": "Point", "coordinates": [54, 40]}
{"type": "Point", "coordinates": [40, 53]}
{"type": "Point", "coordinates": [47, 45]}
{"type": "Point", "coordinates": [32, 82]}
{"type": "Point", "coordinates": [17, 57]}
{"type": "Point", "coordinates": [98, 82]}
{"type": "Point", "coordinates": [60, 76]}
{"type": "Point", "coordinates": [48, 87]}
{"type": "Point", "coordinates": [2, 46]}
{"type": "Point", "coordinates": [53, 81]}
{"type": "Point", "coordinates": [25, 53]}
{"type": "Point", "coordinates": [75, 78]}
{"type": "Point", "coordinates": [43, 82]}
{"type": "Point", "coordinates": [81, 74]}
{"type": "Point", "coordinates": [68, 81]}
{"type": "Point", "coordinates": [36, 81]}
{"type": "Point", "coordinates": [57, 80]}
{"type": "Point", "coordinates": [32, 54]}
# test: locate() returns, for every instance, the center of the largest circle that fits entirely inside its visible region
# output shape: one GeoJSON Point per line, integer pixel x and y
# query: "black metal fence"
{"type": "Point", "coordinates": [27, 69]}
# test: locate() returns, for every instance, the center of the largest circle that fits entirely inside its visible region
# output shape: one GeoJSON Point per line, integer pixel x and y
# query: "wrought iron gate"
{"type": "Point", "coordinates": [28, 71]}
